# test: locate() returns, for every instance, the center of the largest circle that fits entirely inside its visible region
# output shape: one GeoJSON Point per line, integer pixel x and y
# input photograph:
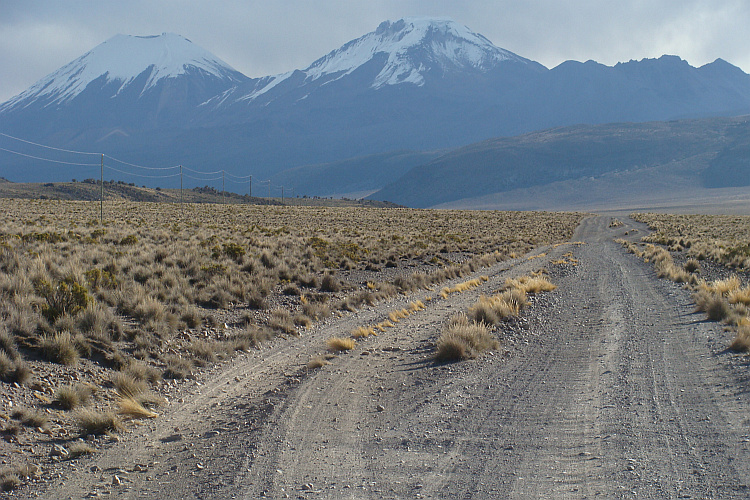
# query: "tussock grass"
{"type": "Point", "coordinates": [71, 397]}
{"type": "Point", "coordinates": [13, 370]}
{"type": "Point", "coordinates": [9, 480]}
{"type": "Point", "coordinates": [530, 284]}
{"type": "Point", "coordinates": [131, 407]}
{"type": "Point", "coordinates": [739, 296]}
{"type": "Point", "coordinates": [462, 287]}
{"type": "Point", "coordinates": [317, 362]}
{"type": "Point", "coordinates": [493, 310]}
{"type": "Point", "coordinates": [337, 344]}
{"type": "Point", "coordinates": [79, 449]}
{"type": "Point", "coordinates": [60, 348]}
{"type": "Point", "coordinates": [464, 339]}
{"type": "Point", "coordinates": [30, 418]}
{"type": "Point", "coordinates": [282, 320]}
{"type": "Point", "coordinates": [94, 422]}
{"type": "Point", "coordinates": [178, 367]}
{"type": "Point", "coordinates": [692, 266]}
{"type": "Point", "coordinates": [127, 385]}
{"type": "Point", "coordinates": [363, 332]}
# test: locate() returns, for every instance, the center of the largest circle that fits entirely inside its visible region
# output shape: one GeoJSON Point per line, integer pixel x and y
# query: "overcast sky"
{"type": "Point", "coordinates": [264, 37]}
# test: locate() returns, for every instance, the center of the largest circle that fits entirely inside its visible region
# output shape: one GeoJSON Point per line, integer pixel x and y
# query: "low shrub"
{"type": "Point", "coordinates": [60, 348]}
{"type": "Point", "coordinates": [464, 339]}
{"type": "Point", "coordinates": [338, 344]}
{"type": "Point", "coordinates": [91, 422]}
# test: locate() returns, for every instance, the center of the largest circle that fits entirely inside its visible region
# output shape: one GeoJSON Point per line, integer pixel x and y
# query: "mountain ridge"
{"type": "Point", "coordinates": [414, 84]}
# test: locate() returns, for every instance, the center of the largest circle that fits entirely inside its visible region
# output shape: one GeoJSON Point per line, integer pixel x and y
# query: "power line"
{"type": "Point", "coordinates": [141, 166]}
{"type": "Point", "coordinates": [201, 179]}
{"type": "Point", "coordinates": [142, 175]}
{"type": "Point", "coordinates": [237, 179]}
{"type": "Point", "coordinates": [239, 176]}
{"type": "Point", "coordinates": [48, 147]}
{"type": "Point", "coordinates": [50, 160]}
{"type": "Point", "coordinates": [200, 172]}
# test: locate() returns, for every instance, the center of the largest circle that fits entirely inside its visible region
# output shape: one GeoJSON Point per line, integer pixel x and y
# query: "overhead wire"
{"type": "Point", "coordinates": [142, 175]}
{"type": "Point", "coordinates": [236, 179]}
{"type": "Point", "coordinates": [48, 147]}
{"type": "Point", "coordinates": [140, 166]}
{"type": "Point", "coordinates": [49, 159]}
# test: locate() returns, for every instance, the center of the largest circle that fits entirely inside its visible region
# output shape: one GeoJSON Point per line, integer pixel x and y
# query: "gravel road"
{"type": "Point", "coordinates": [610, 387]}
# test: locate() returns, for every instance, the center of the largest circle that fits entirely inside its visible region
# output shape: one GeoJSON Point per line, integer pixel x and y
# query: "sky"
{"type": "Point", "coordinates": [266, 37]}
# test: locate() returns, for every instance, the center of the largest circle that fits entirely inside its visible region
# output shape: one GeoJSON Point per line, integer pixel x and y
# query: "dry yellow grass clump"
{"type": "Point", "coordinates": [363, 332]}
{"type": "Point", "coordinates": [530, 284]}
{"type": "Point", "coordinates": [337, 344]}
{"type": "Point", "coordinates": [463, 287]}
{"type": "Point", "coordinates": [465, 336]}
{"type": "Point", "coordinates": [464, 339]}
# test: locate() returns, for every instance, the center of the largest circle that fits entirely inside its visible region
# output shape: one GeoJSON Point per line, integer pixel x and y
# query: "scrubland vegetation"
{"type": "Point", "coordinates": [719, 239]}
{"type": "Point", "coordinates": [158, 290]}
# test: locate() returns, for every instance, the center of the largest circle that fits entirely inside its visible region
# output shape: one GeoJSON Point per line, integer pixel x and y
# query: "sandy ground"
{"type": "Point", "coordinates": [610, 387]}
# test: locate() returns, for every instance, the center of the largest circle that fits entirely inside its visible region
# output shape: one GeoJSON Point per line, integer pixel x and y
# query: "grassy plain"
{"type": "Point", "coordinates": [96, 316]}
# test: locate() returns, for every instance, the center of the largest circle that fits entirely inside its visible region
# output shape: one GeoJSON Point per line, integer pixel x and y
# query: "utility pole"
{"type": "Point", "coordinates": [101, 193]}
{"type": "Point", "coordinates": [269, 189]}
{"type": "Point", "coordinates": [223, 191]}
{"type": "Point", "coordinates": [282, 195]}
{"type": "Point", "coordinates": [180, 186]}
{"type": "Point", "coordinates": [250, 187]}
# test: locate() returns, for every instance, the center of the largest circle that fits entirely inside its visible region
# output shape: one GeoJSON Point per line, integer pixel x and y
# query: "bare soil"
{"type": "Point", "coordinates": [610, 387]}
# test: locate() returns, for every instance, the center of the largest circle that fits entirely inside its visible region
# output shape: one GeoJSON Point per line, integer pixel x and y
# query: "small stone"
{"type": "Point", "coordinates": [116, 480]}
{"type": "Point", "coordinates": [59, 451]}
{"type": "Point", "coordinates": [380, 408]}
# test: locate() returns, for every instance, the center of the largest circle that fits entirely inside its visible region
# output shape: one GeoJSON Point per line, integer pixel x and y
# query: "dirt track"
{"type": "Point", "coordinates": [612, 388]}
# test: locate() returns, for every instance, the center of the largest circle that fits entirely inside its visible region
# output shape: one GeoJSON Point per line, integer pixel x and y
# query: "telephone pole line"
{"type": "Point", "coordinates": [101, 193]}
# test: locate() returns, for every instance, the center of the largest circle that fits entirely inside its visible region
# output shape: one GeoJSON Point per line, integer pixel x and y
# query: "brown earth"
{"type": "Point", "coordinates": [610, 387]}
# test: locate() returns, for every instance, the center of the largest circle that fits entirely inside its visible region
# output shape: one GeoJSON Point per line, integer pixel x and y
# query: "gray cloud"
{"type": "Point", "coordinates": [261, 37]}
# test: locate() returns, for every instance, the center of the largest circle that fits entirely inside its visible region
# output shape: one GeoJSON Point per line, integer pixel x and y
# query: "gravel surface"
{"type": "Point", "coordinates": [609, 387]}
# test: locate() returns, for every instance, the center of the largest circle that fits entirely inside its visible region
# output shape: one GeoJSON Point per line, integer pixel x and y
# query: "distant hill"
{"type": "Point", "coordinates": [702, 154]}
{"type": "Point", "coordinates": [354, 177]}
{"type": "Point", "coordinates": [91, 191]}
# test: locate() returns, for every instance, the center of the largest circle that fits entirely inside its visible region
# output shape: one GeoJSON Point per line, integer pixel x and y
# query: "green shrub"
{"type": "Point", "coordinates": [67, 297]}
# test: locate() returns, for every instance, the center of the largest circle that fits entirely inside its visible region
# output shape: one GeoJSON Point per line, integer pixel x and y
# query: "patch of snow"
{"type": "Point", "coordinates": [443, 41]}
{"type": "Point", "coordinates": [121, 59]}
{"type": "Point", "coordinates": [274, 80]}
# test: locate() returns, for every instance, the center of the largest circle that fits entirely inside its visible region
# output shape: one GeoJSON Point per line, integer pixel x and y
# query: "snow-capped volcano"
{"type": "Point", "coordinates": [121, 60]}
{"type": "Point", "coordinates": [414, 46]}
{"type": "Point", "coordinates": [125, 84]}
{"type": "Point", "coordinates": [408, 51]}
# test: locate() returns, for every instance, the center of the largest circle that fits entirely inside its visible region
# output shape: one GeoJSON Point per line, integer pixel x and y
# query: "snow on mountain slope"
{"type": "Point", "coordinates": [413, 46]}
{"type": "Point", "coordinates": [123, 58]}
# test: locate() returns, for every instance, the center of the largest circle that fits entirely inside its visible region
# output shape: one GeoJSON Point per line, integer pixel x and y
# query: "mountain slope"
{"type": "Point", "coordinates": [570, 153]}
{"type": "Point", "coordinates": [128, 82]}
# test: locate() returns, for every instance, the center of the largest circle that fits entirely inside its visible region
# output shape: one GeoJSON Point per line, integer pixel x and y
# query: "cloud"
{"type": "Point", "coordinates": [261, 37]}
